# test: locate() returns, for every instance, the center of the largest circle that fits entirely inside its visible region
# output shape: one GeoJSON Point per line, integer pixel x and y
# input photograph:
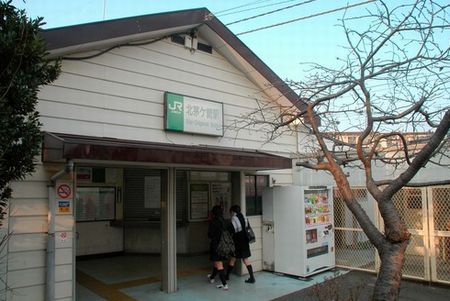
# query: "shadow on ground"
{"type": "Point", "coordinates": [358, 286]}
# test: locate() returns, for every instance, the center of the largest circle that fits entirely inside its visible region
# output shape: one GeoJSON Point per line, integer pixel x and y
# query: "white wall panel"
{"type": "Point", "coordinates": [25, 260]}
{"type": "Point", "coordinates": [218, 69]}
{"type": "Point", "coordinates": [101, 86]}
{"type": "Point", "coordinates": [35, 293]}
{"type": "Point", "coordinates": [63, 289]}
{"type": "Point", "coordinates": [282, 179]}
{"type": "Point", "coordinates": [64, 125]}
{"type": "Point", "coordinates": [105, 116]}
{"type": "Point", "coordinates": [28, 224]}
{"type": "Point", "coordinates": [175, 50]}
{"type": "Point", "coordinates": [174, 83]}
{"type": "Point", "coordinates": [189, 76]}
{"type": "Point", "coordinates": [24, 207]}
{"type": "Point", "coordinates": [63, 272]}
{"type": "Point", "coordinates": [31, 277]}
{"type": "Point", "coordinates": [27, 242]}
{"type": "Point", "coordinates": [151, 104]}
{"type": "Point", "coordinates": [63, 256]}
{"type": "Point", "coordinates": [37, 190]}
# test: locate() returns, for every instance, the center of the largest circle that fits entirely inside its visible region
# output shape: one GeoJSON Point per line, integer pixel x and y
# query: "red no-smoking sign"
{"type": "Point", "coordinates": [64, 191]}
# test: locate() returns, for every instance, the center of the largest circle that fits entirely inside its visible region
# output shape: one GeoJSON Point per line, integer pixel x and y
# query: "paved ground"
{"type": "Point", "coordinates": [136, 278]}
{"type": "Point", "coordinates": [360, 285]}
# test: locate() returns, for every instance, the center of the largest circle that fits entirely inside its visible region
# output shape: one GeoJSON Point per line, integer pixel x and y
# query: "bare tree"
{"type": "Point", "coordinates": [395, 79]}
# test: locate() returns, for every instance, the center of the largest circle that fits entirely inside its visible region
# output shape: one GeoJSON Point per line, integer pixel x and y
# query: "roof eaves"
{"type": "Point", "coordinates": [112, 29]}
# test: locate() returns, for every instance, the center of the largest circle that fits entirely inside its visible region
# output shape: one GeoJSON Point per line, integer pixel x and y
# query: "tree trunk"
{"type": "Point", "coordinates": [387, 286]}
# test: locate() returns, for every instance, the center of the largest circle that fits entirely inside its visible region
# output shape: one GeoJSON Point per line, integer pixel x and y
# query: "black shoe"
{"type": "Point", "coordinates": [227, 278]}
{"type": "Point", "coordinates": [250, 280]}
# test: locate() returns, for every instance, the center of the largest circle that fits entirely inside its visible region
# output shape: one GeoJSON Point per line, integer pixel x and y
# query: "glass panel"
{"type": "Point", "coordinates": [261, 183]}
{"type": "Point", "coordinates": [250, 195]}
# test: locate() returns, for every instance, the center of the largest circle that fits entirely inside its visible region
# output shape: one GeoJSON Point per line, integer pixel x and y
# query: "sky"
{"type": "Point", "coordinates": [282, 48]}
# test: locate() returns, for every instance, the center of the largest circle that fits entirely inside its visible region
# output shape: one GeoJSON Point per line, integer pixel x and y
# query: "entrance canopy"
{"type": "Point", "coordinates": [60, 147]}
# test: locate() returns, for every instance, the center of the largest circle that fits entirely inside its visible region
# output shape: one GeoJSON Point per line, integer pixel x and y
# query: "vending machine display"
{"type": "Point", "coordinates": [301, 232]}
{"type": "Point", "coordinates": [317, 208]}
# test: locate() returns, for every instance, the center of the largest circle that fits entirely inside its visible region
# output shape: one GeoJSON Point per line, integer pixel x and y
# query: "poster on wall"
{"type": "Point", "coordinates": [221, 195]}
{"type": "Point", "coordinates": [152, 192]}
{"type": "Point", "coordinates": [199, 201]}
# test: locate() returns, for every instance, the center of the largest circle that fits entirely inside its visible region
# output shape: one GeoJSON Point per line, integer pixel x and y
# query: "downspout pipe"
{"type": "Point", "coordinates": [68, 168]}
{"type": "Point", "coordinates": [50, 276]}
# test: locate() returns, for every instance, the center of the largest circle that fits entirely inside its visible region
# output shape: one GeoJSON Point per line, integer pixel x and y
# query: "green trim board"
{"type": "Point", "coordinates": [192, 115]}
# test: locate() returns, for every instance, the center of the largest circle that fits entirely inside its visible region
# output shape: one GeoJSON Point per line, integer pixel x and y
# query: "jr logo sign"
{"type": "Point", "coordinates": [174, 112]}
{"type": "Point", "coordinates": [176, 107]}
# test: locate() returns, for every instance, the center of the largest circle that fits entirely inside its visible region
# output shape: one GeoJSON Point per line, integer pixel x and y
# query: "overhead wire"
{"type": "Point", "coordinates": [254, 8]}
{"type": "Point", "coordinates": [306, 17]}
{"type": "Point", "coordinates": [271, 12]}
{"type": "Point", "coordinates": [240, 6]}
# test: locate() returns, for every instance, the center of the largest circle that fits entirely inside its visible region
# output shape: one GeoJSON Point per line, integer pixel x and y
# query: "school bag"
{"type": "Point", "coordinates": [226, 245]}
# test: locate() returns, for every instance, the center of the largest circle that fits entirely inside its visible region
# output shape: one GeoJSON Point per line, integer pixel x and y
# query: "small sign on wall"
{"type": "Point", "coordinates": [64, 191]}
{"type": "Point", "coordinates": [63, 197]}
{"type": "Point", "coordinates": [64, 207]}
{"type": "Point", "coordinates": [84, 174]}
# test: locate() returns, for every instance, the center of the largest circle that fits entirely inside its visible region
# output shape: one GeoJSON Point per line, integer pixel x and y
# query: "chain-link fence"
{"type": "Point", "coordinates": [411, 205]}
{"type": "Point", "coordinates": [353, 248]}
{"type": "Point", "coordinates": [426, 212]}
{"type": "Point", "coordinates": [440, 233]}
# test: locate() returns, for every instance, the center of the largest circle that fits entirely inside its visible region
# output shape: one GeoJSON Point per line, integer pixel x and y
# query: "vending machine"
{"type": "Point", "coordinates": [298, 231]}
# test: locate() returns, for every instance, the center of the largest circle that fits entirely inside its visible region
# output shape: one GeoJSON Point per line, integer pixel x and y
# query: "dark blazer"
{"type": "Point", "coordinates": [215, 229]}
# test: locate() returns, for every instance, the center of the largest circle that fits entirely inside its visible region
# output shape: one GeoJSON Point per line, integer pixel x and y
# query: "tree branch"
{"type": "Point", "coordinates": [422, 157]}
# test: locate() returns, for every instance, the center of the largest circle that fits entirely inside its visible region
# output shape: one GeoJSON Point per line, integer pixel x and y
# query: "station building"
{"type": "Point", "coordinates": [143, 133]}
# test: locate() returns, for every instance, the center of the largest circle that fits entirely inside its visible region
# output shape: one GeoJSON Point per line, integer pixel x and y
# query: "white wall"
{"type": "Point", "coordinates": [120, 94]}
{"type": "Point", "coordinates": [27, 244]}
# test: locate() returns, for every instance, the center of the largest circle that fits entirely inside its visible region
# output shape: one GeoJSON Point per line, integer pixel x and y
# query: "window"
{"type": "Point", "coordinates": [95, 204]}
{"type": "Point", "coordinates": [254, 186]}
